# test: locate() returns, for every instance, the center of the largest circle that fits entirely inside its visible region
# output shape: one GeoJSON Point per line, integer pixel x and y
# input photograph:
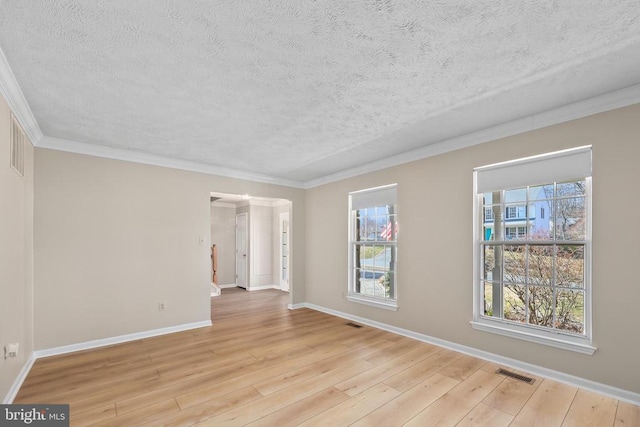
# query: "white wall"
{"type": "Point", "coordinates": [435, 268]}
{"type": "Point", "coordinates": [223, 235]}
{"type": "Point", "coordinates": [16, 257]}
{"type": "Point", "coordinates": [261, 247]}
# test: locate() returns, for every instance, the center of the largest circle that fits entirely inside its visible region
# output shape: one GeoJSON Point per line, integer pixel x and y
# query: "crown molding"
{"type": "Point", "coordinates": [10, 90]}
{"type": "Point", "coordinates": [12, 93]}
{"type": "Point", "coordinates": [151, 159]}
{"type": "Point", "coordinates": [599, 104]}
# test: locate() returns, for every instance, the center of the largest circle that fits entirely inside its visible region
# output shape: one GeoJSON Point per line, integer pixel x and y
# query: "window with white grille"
{"type": "Point", "coordinates": [373, 231]}
{"type": "Point", "coordinates": [533, 272]}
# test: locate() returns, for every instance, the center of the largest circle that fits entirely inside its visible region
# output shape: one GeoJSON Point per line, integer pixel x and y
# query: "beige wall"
{"type": "Point", "coordinates": [16, 256]}
{"type": "Point", "coordinates": [114, 238]}
{"type": "Point", "coordinates": [223, 234]}
{"type": "Point", "coordinates": [435, 246]}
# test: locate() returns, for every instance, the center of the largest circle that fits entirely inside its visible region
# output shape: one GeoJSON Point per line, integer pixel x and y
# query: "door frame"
{"type": "Point", "coordinates": [285, 251]}
{"type": "Point", "coordinates": [245, 256]}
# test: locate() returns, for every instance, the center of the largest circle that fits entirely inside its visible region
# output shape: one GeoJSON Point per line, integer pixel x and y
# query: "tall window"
{"type": "Point", "coordinates": [373, 242]}
{"type": "Point", "coordinates": [533, 279]}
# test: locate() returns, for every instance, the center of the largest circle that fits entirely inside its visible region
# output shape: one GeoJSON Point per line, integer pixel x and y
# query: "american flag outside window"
{"type": "Point", "coordinates": [387, 232]}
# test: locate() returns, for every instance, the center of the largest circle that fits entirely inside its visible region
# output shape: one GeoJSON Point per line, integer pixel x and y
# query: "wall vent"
{"type": "Point", "coordinates": [17, 146]}
{"type": "Point", "coordinates": [515, 376]}
{"type": "Point", "coordinates": [353, 325]}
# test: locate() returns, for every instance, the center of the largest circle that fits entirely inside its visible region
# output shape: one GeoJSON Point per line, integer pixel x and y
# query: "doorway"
{"type": "Point", "coordinates": [252, 236]}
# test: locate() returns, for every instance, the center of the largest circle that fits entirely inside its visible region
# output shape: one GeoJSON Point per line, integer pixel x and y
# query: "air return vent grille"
{"type": "Point", "coordinates": [353, 325]}
{"type": "Point", "coordinates": [515, 376]}
{"type": "Point", "coordinates": [17, 146]}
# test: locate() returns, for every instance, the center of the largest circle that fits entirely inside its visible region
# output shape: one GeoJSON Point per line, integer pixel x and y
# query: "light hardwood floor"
{"type": "Point", "coordinates": [263, 365]}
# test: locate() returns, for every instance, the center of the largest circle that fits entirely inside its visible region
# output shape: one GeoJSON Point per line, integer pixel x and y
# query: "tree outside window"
{"type": "Point", "coordinates": [533, 277]}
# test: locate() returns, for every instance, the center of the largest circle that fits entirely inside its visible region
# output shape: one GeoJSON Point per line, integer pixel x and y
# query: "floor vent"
{"type": "Point", "coordinates": [515, 376]}
{"type": "Point", "coordinates": [354, 325]}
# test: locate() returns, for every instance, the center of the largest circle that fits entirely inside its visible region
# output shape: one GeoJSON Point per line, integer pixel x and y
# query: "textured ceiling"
{"type": "Point", "coordinates": [301, 89]}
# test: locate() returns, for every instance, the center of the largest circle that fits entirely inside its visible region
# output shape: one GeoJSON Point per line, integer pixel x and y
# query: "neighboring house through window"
{"type": "Point", "coordinates": [373, 233]}
{"type": "Point", "coordinates": [532, 255]}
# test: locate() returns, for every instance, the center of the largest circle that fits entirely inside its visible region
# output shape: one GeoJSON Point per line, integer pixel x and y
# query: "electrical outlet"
{"type": "Point", "coordinates": [162, 306]}
{"type": "Point", "coordinates": [11, 350]}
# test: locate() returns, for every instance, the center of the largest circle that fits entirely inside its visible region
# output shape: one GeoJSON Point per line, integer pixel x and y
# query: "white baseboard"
{"type": "Point", "coordinates": [215, 290]}
{"type": "Point", "coordinates": [13, 391]}
{"type": "Point", "coordinates": [230, 285]}
{"type": "Point", "coordinates": [262, 288]}
{"type": "Point", "coordinates": [119, 339]}
{"type": "Point", "coordinates": [297, 306]}
{"type": "Point", "coordinates": [17, 383]}
{"type": "Point", "coordinates": [583, 383]}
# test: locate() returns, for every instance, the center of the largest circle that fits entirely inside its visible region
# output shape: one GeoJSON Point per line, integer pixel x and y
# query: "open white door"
{"type": "Point", "coordinates": [242, 263]}
{"type": "Point", "coordinates": [285, 241]}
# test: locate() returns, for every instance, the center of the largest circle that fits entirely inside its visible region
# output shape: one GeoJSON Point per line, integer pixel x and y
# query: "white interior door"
{"type": "Point", "coordinates": [285, 242]}
{"type": "Point", "coordinates": [242, 263]}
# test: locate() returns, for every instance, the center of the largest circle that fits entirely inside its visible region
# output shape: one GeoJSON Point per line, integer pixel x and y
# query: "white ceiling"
{"type": "Point", "coordinates": [299, 91]}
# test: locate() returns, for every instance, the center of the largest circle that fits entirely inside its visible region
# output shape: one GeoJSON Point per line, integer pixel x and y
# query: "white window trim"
{"type": "Point", "coordinates": [387, 304]}
{"type": "Point", "coordinates": [553, 338]}
{"type": "Point", "coordinates": [525, 333]}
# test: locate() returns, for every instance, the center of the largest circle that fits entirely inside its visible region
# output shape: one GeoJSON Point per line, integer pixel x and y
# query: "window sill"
{"type": "Point", "coordinates": [554, 340]}
{"type": "Point", "coordinates": [387, 305]}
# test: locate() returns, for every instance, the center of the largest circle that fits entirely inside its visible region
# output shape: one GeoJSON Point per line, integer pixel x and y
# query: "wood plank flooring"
{"type": "Point", "coordinates": [263, 365]}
